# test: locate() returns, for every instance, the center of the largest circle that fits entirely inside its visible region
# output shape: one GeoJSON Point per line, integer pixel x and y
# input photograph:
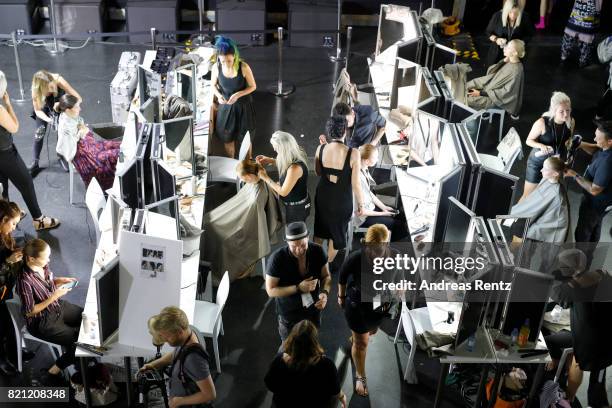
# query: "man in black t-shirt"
{"type": "Point", "coordinates": [596, 183]}
{"type": "Point", "coordinates": [298, 279]}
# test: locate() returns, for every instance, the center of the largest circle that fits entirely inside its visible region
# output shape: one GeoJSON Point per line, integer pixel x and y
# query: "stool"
{"type": "Point", "coordinates": [143, 15]}
{"type": "Point", "coordinates": [19, 15]}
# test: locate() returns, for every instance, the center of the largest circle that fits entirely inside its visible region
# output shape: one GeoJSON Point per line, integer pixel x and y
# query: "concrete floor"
{"type": "Point", "coordinates": [251, 339]}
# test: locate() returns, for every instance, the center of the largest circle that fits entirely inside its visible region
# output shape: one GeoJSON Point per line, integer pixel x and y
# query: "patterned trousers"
{"type": "Point", "coordinates": [569, 43]}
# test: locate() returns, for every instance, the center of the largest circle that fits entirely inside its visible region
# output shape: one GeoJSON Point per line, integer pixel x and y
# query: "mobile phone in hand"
{"type": "Point", "coordinates": [70, 285]}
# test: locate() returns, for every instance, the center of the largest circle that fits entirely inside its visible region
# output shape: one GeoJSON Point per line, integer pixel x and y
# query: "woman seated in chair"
{"type": "Point", "coordinates": [244, 225]}
{"type": "Point", "coordinates": [76, 143]}
{"type": "Point", "coordinates": [547, 207]}
{"type": "Point", "coordinates": [502, 86]}
{"type": "Point", "coordinates": [47, 315]}
{"type": "Point", "coordinates": [374, 210]}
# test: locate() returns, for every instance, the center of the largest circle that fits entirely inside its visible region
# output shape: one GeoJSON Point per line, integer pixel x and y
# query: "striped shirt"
{"type": "Point", "coordinates": [33, 290]}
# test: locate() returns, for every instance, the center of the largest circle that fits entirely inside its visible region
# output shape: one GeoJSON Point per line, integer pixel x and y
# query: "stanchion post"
{"type": "Point", "coordinates": [18, 65]}
{"type": "Point", "coordinates": [349, 36]}
{"type": "Point", "coordinates": [55, 47]}
{"type": "Point", "coordinates": [153, 35]}
{"type": "Point", "coordinates": [199, 40]}
{"type": "Point", "coordinates": [338, 57]}
{"type": "Point", "coordinates": [281, 89]}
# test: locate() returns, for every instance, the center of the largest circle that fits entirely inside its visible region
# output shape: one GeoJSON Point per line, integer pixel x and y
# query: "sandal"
{"type": "Point", "coordinates": [45, 223]}
{"type": "Point", "coordinates": [363, 382]}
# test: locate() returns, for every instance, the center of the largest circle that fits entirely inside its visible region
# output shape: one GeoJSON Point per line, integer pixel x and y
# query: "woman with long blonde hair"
{"type": "Point", "coordinates": [47, 88]}
{"type": "Point", "coordinates": [293, 174]}
{"type": "Point", "coordinates": [550, 136]}
{"type": "Point", "coordinates": [510, 23]}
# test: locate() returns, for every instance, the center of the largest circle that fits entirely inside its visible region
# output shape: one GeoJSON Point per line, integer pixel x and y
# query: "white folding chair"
{"type": "Point", "coordinates": [508, 150]}
{"type": "Point", "coordinates": [207, 317]}
{"type": "Point", "coordinates": [95, 201]}
{"type": "Point", "coordinates": [223, 169]}
{"type": "Point", "coordinates": [21, 332]}
{"type": "Point", "coordinates": [413, 321]}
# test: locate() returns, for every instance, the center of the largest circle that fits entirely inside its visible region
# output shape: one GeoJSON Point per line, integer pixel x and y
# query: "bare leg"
{"type": "Point", "coordinates": [543, 8]}
{"type": "Point", "coordinates": [528, 189]}
{"type": "Point", "coordinates": [358, 352]}
{"type": "Point", "coordinates": [574, 379]}
{"type": "Point", "coordinates": [230, 149]}
{"type": "Point", "coordinates": [54, 370]}
{"type": "Point", "coordinates": [331, 251]}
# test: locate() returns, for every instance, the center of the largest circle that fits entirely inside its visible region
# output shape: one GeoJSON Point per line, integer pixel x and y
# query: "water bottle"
{"type": "Point", "coordinates": [514, 336]}
{"type": "Point", "coordinates": [523, 337]}
{"type": "Point", "coordinates": [555, 314]}
{"type": "Point", "coordinates": [471, 343]}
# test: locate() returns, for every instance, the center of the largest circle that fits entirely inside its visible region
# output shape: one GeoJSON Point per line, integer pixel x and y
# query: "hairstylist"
{"type": "Point", "coordinates": [291, 163]}
{"type": "Point", "coordinates": [47, 88]}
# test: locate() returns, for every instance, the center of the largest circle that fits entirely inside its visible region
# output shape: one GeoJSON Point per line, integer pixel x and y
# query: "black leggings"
{"type": "Point", "coordinates": [39, 138]}
{"type": "Point", "coordinates": [62, 330]}
{"type": "Point", "coordinates": [14, 169]}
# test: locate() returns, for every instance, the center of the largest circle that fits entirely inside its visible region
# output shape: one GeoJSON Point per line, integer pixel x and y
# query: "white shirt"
{"type": "Point", "coordinates": [68, 135]}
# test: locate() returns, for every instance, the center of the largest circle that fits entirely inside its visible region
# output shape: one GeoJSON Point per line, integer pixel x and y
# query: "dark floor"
{"type": "Point", "coordinates": [251, 339]}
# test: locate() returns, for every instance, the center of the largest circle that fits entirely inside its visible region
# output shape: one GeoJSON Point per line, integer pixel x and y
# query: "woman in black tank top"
{"type": "Point", "coordinates": [12, 166]}
{"type": "Point", "coordinates": [291, 164]}
{"type": "Point", "coordinates": [549, 136]}
{"type": "Point", "coordinates": [232, 83]}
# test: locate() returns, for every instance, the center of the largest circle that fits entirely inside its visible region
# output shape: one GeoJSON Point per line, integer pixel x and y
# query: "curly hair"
{"type": "Point", "coordinates": [335, 127]}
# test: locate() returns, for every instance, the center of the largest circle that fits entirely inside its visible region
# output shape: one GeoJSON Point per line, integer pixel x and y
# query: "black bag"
{"type": "Point", "coordinates": [8, 278]}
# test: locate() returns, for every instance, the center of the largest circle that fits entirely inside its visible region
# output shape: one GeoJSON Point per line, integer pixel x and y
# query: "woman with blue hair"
{"type": "Point", "coordinates": [232, 83]}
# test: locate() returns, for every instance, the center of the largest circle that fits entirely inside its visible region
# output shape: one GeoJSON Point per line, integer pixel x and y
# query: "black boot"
{"type": "Point", "coordinates": [34, 169]}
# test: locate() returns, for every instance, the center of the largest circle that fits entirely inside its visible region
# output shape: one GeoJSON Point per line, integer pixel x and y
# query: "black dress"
{"type": "Point", "coordinates": [334, 202]}
{"type": "Point", "coordinates": [297, 202]}
{"type": "Point", "coordinates": [314, 387]}
{"type": "Point", "coordinates": [360, 316]}
{"type": "Point", "coordinates": [523, 32]}
{"type": "Point", "coordinates": [233, 121]}
{"type": "Point", "coordinates": [556, 136]}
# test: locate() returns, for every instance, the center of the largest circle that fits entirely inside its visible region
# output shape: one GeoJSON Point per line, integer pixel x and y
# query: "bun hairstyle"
{"type": "Point", "coordinates": [67, 101]}
{"type": "Point", "coordinates": [248, 167]}
{"type": "Point", "coordinates": [335, 127]}
{"type": "Point", "coordinates": [227, 46]}
{"type": "Point", "coordinates": [366, 151]}
{"type": "Point", "coordinates": [8, 211]}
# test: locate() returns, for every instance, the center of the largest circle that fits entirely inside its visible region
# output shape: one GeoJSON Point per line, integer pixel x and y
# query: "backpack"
{"type": "Point", "coordinates": [187, 383]}
{"type": "Point", "coordinates": [8, 278]}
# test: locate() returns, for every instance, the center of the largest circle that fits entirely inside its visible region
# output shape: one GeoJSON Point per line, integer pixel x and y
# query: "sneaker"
{"type": "Point", "coordinates": [34, 169]}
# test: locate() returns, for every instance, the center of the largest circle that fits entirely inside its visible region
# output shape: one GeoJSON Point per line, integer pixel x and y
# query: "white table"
{"type": "Point", "coordinates": [106, 250]}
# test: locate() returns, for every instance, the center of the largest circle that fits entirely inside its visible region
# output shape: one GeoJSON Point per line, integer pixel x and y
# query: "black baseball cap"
{"type": "Point", "coordinates": [296, 231]}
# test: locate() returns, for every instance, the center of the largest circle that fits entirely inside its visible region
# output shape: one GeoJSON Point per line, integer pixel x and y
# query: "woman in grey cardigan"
{"type": "Point", "coordinates": [547, 206]}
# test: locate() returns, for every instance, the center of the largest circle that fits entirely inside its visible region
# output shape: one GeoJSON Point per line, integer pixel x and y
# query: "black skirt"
{"type": "Point", "coordinates": [361, 318]}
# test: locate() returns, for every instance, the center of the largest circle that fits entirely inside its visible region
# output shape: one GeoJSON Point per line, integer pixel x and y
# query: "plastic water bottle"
{"type": "Point", "coordinates": [555, 314]}
{"type": "Point", "coordinates": [514, 336]}
{"type": "Point", "coordinates": [471, 343]}
{"type": "Point", "coordinates": [523, 337]}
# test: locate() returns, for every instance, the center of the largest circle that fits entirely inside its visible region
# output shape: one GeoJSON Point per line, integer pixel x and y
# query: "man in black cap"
{"type": "Point", "coordinates": [298, 278]}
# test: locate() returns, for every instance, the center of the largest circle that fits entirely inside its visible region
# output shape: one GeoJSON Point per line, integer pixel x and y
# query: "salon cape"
{"type": "Point", "coordinates": [548, 212]}
{"type": "Point", "coordinates": [68, 136]}
{"type": "Point", "coordinates": [503, 84]}
{"type": "Point", "coordinates": [239, 232]}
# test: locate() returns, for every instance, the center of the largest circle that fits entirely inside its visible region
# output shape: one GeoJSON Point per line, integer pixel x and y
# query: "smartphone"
{"type": "Point", "coordinates": [69, 285]}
